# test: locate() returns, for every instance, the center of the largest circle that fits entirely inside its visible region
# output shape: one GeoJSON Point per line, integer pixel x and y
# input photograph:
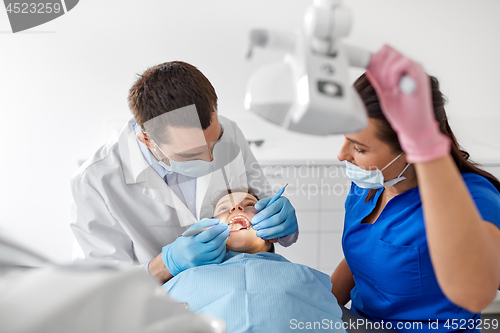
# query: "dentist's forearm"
{"type": "Point", "coordinates": [158, 269]}
{"type": "Point", "coordinates": [463, 248]}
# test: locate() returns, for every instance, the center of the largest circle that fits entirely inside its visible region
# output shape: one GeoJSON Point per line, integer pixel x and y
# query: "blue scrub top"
{"type": "Point", "coordinates": [390, 260]}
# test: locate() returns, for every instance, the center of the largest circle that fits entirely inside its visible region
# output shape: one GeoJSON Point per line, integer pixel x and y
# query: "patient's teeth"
{"type": "Point", "coordinates": [239, 223]}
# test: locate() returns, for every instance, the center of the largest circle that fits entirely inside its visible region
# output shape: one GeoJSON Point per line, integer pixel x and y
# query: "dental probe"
{"type": "Point", "coordinates": [194, 232]}
{"type": "Point", "coordinates": [276, 196]}
{"type": "Point", "coordinates": [197, 231]}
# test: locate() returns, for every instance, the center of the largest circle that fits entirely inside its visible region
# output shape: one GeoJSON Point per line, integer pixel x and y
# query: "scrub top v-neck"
{"type": "Point", "coordinates": [390, 262]}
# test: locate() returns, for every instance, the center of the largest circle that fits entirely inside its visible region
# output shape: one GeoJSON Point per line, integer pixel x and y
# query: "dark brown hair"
{"type": "Point", "coordinates": [386, 134]}
{"type": "Point", "coordinates": [167, 87]}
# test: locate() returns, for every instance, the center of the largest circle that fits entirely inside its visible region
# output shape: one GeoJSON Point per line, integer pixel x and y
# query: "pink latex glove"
{"type": "Point", "coordinates": [410, 115]}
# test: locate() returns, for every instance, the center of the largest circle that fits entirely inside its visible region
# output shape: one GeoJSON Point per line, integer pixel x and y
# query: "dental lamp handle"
{"type": "Point", "coordinates": [407, 85]}
{"type": "Point", "coordinates": [361, 58]}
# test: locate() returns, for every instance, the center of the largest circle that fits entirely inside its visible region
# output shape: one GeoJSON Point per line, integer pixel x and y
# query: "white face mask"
{"type": "Point", "coordinates": [372, 179]}
{"type": "Point", "coordinates": [193, 168]}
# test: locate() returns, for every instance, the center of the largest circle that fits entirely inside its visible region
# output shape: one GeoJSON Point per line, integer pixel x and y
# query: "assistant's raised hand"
{"type": "Point", "coordinates": [410, 115]}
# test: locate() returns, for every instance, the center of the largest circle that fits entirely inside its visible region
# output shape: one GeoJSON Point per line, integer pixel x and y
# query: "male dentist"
{"type": "Point", "coordinates": [136, 195]}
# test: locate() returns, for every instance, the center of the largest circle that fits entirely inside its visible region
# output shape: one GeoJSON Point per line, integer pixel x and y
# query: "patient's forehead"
{"type": "Point", "coordinates": [237, 197]}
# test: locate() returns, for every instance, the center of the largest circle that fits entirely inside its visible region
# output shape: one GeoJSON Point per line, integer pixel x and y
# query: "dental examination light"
{"type": "Point", "coordinates": [309, 91]}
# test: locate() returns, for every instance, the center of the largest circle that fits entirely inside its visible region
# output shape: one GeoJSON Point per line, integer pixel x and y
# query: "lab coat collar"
{"type": "Point", "coordinates": [146, 153]}
{"type": "Point", "coordinates": [136, 170]}
{"type": "Point", "coordinates": [133, 163]}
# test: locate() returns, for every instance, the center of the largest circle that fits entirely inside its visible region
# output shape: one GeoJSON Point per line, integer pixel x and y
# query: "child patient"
{"type": "Point", "coordinates": [253, 289]}
{"type": "Point", "coordinates": [237, 209]}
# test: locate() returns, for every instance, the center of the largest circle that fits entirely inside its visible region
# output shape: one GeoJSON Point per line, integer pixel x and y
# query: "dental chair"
{"type": "Point", "coordinates": [39, 296]}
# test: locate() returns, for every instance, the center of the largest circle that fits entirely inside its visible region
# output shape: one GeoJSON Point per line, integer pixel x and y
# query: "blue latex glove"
{"type": "Point", "coordinates": [208, 247]}
{"type": "Point", "coordinates": [275, 221]}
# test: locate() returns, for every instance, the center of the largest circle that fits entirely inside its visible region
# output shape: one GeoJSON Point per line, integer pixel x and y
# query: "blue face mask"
{"type": "Point", "coordinates": [193, 168]}
{"type": "Point", "coordinates": [372, 179]}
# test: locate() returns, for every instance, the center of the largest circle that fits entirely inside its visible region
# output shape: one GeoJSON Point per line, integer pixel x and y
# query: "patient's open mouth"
{"type": "Point", "coordinates": [239, 222]}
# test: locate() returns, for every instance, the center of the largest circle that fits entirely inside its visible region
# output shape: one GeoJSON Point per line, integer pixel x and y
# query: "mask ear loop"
{"type": "Point", "coordinates": [169, 159]}
{"type": "Point", "coordinates": [392, 161]}
{"type": "Point", "coordinates": [406, 167]}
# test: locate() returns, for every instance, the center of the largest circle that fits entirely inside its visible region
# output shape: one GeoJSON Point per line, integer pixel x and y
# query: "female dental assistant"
{"type": "Point", "coordinates": [422, 226]}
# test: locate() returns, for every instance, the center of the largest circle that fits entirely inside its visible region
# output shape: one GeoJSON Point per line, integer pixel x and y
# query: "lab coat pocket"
{"type": "Point", "coordinates": [396, 269]}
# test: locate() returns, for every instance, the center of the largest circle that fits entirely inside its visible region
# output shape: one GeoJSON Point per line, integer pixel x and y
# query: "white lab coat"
{"type": "Point", "coordinates": [124, 211]}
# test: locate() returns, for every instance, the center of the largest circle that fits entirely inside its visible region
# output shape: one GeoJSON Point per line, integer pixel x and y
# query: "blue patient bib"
{"type": "Point", "coordinates": [260, 292]}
